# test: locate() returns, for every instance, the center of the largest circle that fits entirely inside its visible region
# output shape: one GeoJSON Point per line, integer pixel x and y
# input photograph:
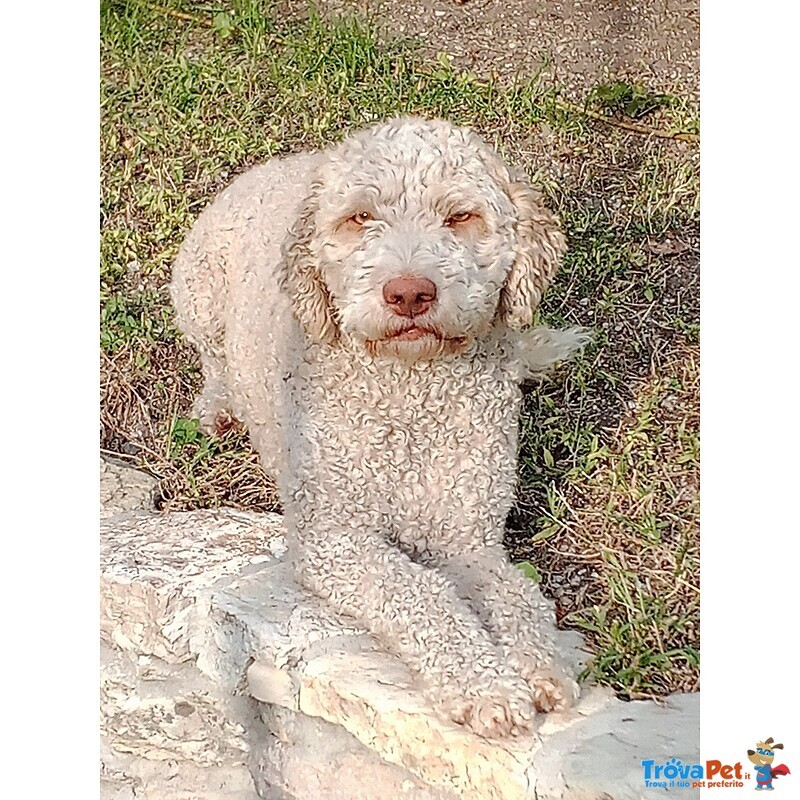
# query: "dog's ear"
{"type": "Point", "coordinates": [538, 250]}
{"type": "Point", "coordinates": [300, 277]}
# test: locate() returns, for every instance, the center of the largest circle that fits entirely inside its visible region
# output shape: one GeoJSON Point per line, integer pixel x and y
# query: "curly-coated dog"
{"type": "Point", "coordinates": [364, 311]}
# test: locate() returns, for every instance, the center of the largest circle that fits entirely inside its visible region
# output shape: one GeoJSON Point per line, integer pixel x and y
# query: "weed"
{"type": "Point", "coordinates": [632, 100]}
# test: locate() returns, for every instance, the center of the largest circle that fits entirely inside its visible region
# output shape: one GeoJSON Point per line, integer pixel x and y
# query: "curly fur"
{"type": "Point", "coordinates": [393, 440]}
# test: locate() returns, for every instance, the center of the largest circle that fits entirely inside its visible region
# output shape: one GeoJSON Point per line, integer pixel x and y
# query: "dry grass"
{"type": "Point", "coordinates": [628, 524]}
{"type": "Point", "coordinates": [144, 421]}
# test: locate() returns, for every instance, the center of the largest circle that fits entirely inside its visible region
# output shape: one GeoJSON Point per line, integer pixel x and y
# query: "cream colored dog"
{"type": "Point", "coordinates": [364, 311]}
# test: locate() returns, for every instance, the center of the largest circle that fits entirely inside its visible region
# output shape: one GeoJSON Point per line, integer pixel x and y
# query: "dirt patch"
{"type": "Point", "coordinates": [579, 44]}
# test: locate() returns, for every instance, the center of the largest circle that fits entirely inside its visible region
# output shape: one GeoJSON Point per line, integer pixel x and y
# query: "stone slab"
{"type": "Point", "coordinates": [123, 488]}
{"type": "Point", "coordinates": [306, 751]}
{"type": "Point", "coordinates": [308, 661]}
{"type": "Point", "coordinates": [168, 733]}
{"type": "Point", "coordinates": [209, 599]}
{"type": "Point", "coordinates": [157, 572]}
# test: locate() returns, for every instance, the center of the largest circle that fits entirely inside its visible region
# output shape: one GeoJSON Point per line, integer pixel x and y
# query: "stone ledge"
{"type": "Point", "coordinates": [307, 751]}
{"type": "Point", "coordinates": [279, 685]}
{"type": "Point", "coordinates": [124, 489]}
{"type": "Point", "coordinates": [168, 733]}
{"type": "Point", "coordinates": [345, 679]}
{"type": "Point", "coordinates": [157, 571]}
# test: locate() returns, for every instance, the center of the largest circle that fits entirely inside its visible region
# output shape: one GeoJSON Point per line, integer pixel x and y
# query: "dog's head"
{"type": "Point", "coordinates": [416, 239]}
{"type": "Point", "coordinates": [764, 753]}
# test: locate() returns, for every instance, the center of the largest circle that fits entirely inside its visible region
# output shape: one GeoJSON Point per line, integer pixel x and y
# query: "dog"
{"type": "Point", "coordinates": [366, 311]}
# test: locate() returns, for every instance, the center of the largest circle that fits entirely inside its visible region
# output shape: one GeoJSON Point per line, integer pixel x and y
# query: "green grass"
{"type": "Point", "coordinates": [607, 508]}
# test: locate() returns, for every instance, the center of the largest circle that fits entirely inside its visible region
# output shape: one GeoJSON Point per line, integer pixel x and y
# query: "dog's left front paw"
{"type": "Point", "coordinates": [551, 687]}
{"type": "Point", "coordinates": [553, 690]}
{"type": "Point", "coordinates": [493, 717]}
{"type": "Point", "coordinates": [490, 705]}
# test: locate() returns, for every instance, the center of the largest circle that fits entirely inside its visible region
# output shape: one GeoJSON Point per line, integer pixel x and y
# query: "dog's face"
{"type": "Point", "coordinates": [415, 240]}
{"type": "Point", "coordinates": [764, 753]}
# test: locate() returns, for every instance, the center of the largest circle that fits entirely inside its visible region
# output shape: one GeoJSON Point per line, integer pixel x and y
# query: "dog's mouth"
{"type": "Point", "coordinates": [414, 333]}
{"type": "Point", "coordinates": [416, 342]}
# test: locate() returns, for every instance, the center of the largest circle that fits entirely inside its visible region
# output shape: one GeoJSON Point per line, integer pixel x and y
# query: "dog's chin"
{"type": "Point", "coordinates": [414, 344]}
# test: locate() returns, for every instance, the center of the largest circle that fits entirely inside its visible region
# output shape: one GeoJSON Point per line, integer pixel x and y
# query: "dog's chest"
{"type": "Point", "coordinates": [413, 440]}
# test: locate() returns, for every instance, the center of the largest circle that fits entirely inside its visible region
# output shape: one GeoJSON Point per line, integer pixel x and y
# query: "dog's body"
{"type": "Point", "coordinates": [362, 311]}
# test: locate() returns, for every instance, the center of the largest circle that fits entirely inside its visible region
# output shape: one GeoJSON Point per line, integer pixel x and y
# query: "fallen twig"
{"type": "Point", "coordinates": [171, 12]}
{"type": "Point", "coordinates": [681, 136]}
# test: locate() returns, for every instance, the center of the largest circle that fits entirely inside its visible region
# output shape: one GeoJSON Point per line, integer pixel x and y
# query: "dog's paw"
{"type": "Point", "coordinates": [496, 712]}
{"type": "Point", "coordinates": [211, 409]}
{"type": "Point", "coordinates": [216, 423]}
{"type": "Point", "coordinates": [223, 423]}
{"type": "Point", "coordinates": [552, 688]}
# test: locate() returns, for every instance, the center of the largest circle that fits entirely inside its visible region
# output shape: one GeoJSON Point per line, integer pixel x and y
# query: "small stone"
{"type": "Point", "coordinates": [123, 488]}
{"type": "Point", "coordinates": [183, 708]}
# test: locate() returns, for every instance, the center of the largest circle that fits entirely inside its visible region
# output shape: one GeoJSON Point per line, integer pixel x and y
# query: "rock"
{"type": "Point", "coordinates": [217, 661]}
{"type": "Point", "coordinates": [167, 732]}
{"type": "Point", "coordinates": [307, 752]}
{"type": "Point", "coordinates": [156, 573]}
{"type": "Point", "coordinates": [168, 712]}
{"type": "Point", "coordinates": [600, 757]}
{"type": "Point", "coordinates": [123, 488]}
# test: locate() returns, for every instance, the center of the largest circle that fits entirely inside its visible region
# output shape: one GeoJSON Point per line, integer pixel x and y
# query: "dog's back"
{"type": "Point", "coordinates": [225, 292]}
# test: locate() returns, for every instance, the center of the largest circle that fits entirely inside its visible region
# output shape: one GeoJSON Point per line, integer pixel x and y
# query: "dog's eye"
{"type": "Point", "coordinates": [460, 218]}
{"type": "Point", "coordinates": [354, 222]}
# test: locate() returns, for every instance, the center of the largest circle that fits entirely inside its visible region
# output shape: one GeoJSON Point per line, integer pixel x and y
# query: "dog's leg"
{"type": "Point", "coordinates": [415, 612]}
{"type": "Point", "coordinates": [211, 405]}
{"type": "Point", "coordinates": [519, 618]}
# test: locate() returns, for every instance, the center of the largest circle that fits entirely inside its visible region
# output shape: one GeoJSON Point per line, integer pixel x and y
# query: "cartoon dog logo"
{"type": "Point", "coordinates": [762, 757]}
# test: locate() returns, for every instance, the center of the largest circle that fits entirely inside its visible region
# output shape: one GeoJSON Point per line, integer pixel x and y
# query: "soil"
{"type": "Point", "coordinates": [580, 44]}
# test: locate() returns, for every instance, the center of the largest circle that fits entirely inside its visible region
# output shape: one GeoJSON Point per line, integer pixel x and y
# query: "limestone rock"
{"type": "Point", "coordinates": [168, 732]}
{"type": "Point", "coordinates": [601, 757]}
{"type": "Point", "coordinates": [126, 777]}
{"type": "Point", "coordinates": [166, 711]}
{"type": "Point", "coordinates": [218, 664]}
{"type": "Point", "coordinates": [156, 573]}
{"type": "Point", "coordinates": [123, 488]}
{"type": "Point", "coordinates": [308, 661]}
{"type": "Point", "coordinates": [307, 751]}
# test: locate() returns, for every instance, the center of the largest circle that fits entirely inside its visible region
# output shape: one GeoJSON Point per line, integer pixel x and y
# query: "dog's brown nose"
{"type": "Point", "coordinates": [409, 297]}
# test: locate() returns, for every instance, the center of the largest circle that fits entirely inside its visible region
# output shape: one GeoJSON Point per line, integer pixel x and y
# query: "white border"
{"type": "Point", "coordinates": [50, 189]}
{"type": "Point", "coordinates": [750, 440]}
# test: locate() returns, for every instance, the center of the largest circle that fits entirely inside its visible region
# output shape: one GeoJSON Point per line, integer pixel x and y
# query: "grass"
{"type": "Point", "coordinates": [608, 496]}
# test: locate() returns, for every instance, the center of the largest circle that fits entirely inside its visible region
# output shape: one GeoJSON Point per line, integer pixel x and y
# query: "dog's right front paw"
{"type": "Point", "coordinates": [495, 712]}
